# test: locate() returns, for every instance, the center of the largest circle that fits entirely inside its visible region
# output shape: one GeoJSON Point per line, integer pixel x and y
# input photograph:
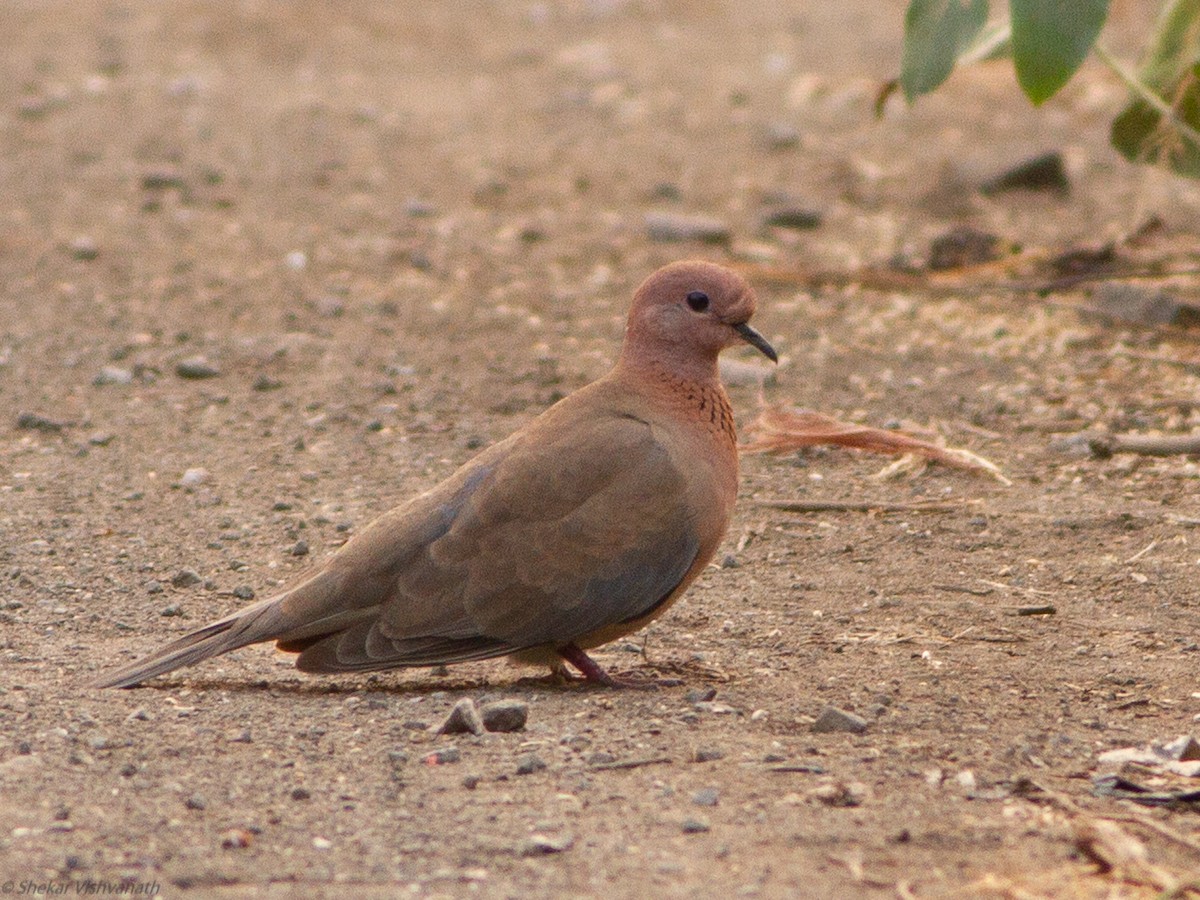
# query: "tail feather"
{"type": "Point", "coordinates": [259, 622]}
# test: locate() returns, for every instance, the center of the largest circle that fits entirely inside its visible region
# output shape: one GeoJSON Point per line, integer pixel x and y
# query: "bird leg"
{"type": "Point", "coordinates": [592, 671]}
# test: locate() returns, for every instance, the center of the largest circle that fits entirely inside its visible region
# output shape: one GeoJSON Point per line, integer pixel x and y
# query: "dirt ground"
{"type": "Point", "coordinates": [394, 233]}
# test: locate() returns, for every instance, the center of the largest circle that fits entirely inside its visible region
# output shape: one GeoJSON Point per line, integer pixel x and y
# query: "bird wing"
{"type": "Point", "coordinates": [549, 536]}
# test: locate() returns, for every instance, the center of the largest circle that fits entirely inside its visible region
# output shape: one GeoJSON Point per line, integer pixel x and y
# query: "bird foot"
{"type": "Point", "coordinates": [594, 673]}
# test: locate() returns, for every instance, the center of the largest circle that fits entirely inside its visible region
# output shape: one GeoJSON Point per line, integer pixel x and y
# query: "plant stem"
{"type": "Point", "coordinates": [1144, 93]}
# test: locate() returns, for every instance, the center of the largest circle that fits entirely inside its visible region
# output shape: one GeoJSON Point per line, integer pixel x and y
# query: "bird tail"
{"type": "Point", "coordinates": [259, 622]}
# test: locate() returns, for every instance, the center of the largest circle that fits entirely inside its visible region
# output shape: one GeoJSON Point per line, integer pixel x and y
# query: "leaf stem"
{"type": "Point", "coordinates": [1144, 93]}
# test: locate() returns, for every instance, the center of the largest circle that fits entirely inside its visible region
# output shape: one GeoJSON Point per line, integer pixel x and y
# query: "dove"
{"type": "Point", "coordinates": [583, 526]}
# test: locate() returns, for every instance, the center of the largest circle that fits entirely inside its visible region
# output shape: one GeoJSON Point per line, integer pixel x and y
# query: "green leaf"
{"type": "Point", "coordinates": [1171, 71]}
{"type": "Point", "coordinates": [935, 33]}
{"type": "Point", "coordinates": [1050, 39]}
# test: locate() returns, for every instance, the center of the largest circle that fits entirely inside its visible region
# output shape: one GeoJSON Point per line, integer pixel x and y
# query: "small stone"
{"type": "Point", "coordinates": [1040, 173]}
{"type": "Point", "coordinates": [695, 826]}
{"type": "Point", "coordinates": [113, 375]}
{"type": "Point", "coordinates": [470, 782]}
{"type": "Point", "coordinates": [781, 136]}
{"type": "Point", "coordinates": [84, 248]}
{"type": "Point", "coordinates": [1183, 749]}
{"type": "Point", "coordinates": [700, 695]}
{"type": "Point", "coordinates": [266, 383]}
{"type": "Point", "coordinates": [529, 764]}
{"type": "Point", "coordinates": [240, 737]}
{"type": "Point", "coordinates": [154, 586]}
{"type": "Point", "coordinates": [37, 422]}
{"type": "Point", "coordinates": [793, 218]}
{"type": "Point", "coordinates": [193, 478]}
{"type": "Point", "coordinates": [185, 578]}
{"type": "Point", "coordinates": [505, 715]}
{"type": "Point", "coordinates": [297, 260]}
{"type": "Point", "coordinates": [706, 797]}
{"type": "Point", "coordinates": [300, 548]}
{"type": "Point", "coordinates": [544, 844]}
{"type": "Point", "coordinates": [707, 754]}
{"type": "Point", "coordinates": [195, 802]}
{"type": "Point", "coordinates": [196, 367]}
{"type": "Point", "coordinates": [128, 770]}
{"type": "Point", "coordinates": [162, 179]}
{"type": "Point", "coordinates": [321, 843]}
{"type": "Point", "coordinates": [244, 592]}
{"type": "Point", "coordinates": [729, 561]}
{"type": "Point", "coordinates": [101, 438]}
{"type": "Point", "coordinates": [839, 794]}
{"type": "Point", "coordinates": [673, 227]}
{"type": "Point", "coordinates": [442, 756]}
{"type": "Point", "coordinates": [236, 839]}
{"type": "Point", "coordinates": [463, 718]}
{"type": "Point", "coordinates": [962, 246]}
{"type": "Point", "coordinates": [834, 719]}
{"type": "Point", "coordinates": [173, 609]}
{"type": "Point", "coordinates": [300, 794]}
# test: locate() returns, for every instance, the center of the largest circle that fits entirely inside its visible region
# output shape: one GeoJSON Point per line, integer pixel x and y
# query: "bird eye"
{"type": "Point", "coordinates": [698, 301]}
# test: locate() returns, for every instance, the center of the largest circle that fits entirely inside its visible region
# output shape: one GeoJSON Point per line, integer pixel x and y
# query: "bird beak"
{"type": "Point", "coordinates": [757, 341]}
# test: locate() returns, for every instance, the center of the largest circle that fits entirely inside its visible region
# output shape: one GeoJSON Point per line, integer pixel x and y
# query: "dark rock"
{"type": "Point", "coordinates": [707, 754]}
{"type": "Point", "coordinates": [195, 802]}
{"type": "Point", "coordinates": [300, 548]}
{"type": "Point", "coordinates": [695, 826]}
{"type": "Point", "coordinates": [706, 797]}
{"type": "Point", "coordinates": [505, 715]}
{"type": "Point", "coordinates": [196, 367]}
{"type": "Point", "coordinates": [300, 794]}
{"type": "Point", "coordinates": [529, 764]}
{"type": "Point", "coordinates": [962, 246]}
{"type": "Point", "coordinates": [84, 248]}
{"type": "Point", "coordinates": [37, 422]}
{"type": "Point", "coordinates": [464, 718]}
{"type": "Point", "coordinates": [834, 719]}
{"type": "Point", "coordinates": [700, 695]}
{"type": "Point", "coordinates": [185, 578]}
{"type": "Point", "coordinates": [443, 756]}
{"type": "Point", "coordinates": [544, 844]}
{"type": "Point", "coordinates": [1040, 173]}
{"type": "Point", "coordinates": [792, 217]}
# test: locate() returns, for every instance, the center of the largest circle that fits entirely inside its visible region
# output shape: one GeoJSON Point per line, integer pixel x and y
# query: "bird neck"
{"type": "Point", "coordinates": [690, 389]}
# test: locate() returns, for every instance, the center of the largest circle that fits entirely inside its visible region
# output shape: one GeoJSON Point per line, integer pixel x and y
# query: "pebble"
{"type": "Point", "coordinates": [37, 422]}
{"type": "Point", "coordinates": [185, 578]}
{"type": "Point", "coordinates": [236, 839]}
{"type": "Point", "coordinates": [113, 375]}
{"type": "Point", "coordinates": [793, 218]}
{"type": "Point", "coordinates": [463, 718]}
{"type": "Point", "coordinates": [172, 610]}
{"type": "Point", "coordinates": [543, 844]}
{"type": "Point", "coordinates": [300, 794]}
{"type": "Point", "coordinates": [161, 179]}
{"type": "Point", "coordinates": [194, 478]}
{"type": "Point", "coordinates": [154, 586]}
{"type": "Point", "coordinates": [101, 438]}
{"type": "Point", "coordinates": [243, 592]}
{"type": "Point", "coordinates": [700, 695]}
{"type": "Point", "coordinates": [196, 367]}
{"type": "Point", "coordinates": [195, 802]}
{"type": "Point", "coordinates": [470, 782]}
{"type": "Point", "coordinates": [839, 794]}
{"type": "Point", "coordinates": [321, 843]}
{"type": "Point", "coordinates": [962, 246]}
{"type": "Point", "coordinates": [706, 797]}
{"type": "Point", "coordinates": [240, 737]}
{"type": "Point", "coordinates": [529, 764]}
{"type": "Point", "coordinates": [834, 719]}
{"type": "Point", "coordinates": [695, 826]}
{"type": "Point", "coordinates": [300, 548]}
{"type": "Point", "coordinates": [673, 227]}
{"type": "Point", "coordinates": [443, 756]}
{"type": "Point", "coordinates": [707, 754]}
{"type": "Point", "coordinates": [84, 248]}
{"type": "Point", "coordinates": [1044, 172]}
{"type": "Point", "coordinates": [505, 715]}
{"type": "Point", "coordinates": [781, 136]}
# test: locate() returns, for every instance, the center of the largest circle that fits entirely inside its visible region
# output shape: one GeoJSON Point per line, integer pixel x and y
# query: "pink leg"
{"type": "Point", "coordinates": [588, 667]}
